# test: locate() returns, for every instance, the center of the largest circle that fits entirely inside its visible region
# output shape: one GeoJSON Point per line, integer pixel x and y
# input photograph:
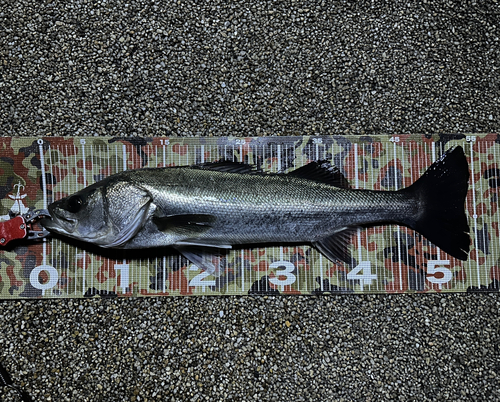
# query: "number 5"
{"type": "Point", "coordinates": [433, 269]}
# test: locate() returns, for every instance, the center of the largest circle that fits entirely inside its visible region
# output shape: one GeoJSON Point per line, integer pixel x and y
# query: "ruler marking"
{"type": "Point", "coordinates": [422, 161]}
{"type": "Point", "coordinates": [278, 153]}
{"type": "Point", "coordinates": [364, 232]}
{"type": "Point", "coordinates": [403, 185]}
{"type": "Point", "coordinates": [409, 234]}
{"type": "Point", "coordinates": [93, 163]}
{"type": "Point", "coordinates": [130, 276]}
{"type": "Point", "coordinates": [76, 250]}
{"type": "Point", "coordinates": [495, 166]}
{"type": "Point", "coordinates": [44, 179]}
{"type": "Point", "coordinates": [474, 208]}
{"type": "Point", "coordinates": [478, 266]}
{"type": "Point", "coordinates": [51, 169]}
{"type": "Point", "coordinates": [242, 256]}
{"type": "Point", "coordinates": [468, 263]}
{"type": "Point", "coordinates": [114, 169]}
{"type": "Point", "coordinates": [180, 273]}
{"type": "Point", "coordinates": [438, 250]}
{"type": "Point", "coordinates": [226, 267]}
{"type": "Point", "coordinates": [44, 192]}
{"type": "Point", "coordinates": [487, 216]}
{"type": "Point", "coordinates": [321, 272]}
{"type": "Point", "coordinates": [390, 228]}
{"type": "Point", "coordinates": [483, 215]}
{"type": "Point", "coordinates": [356, 186]}
{"type": "Point", "coordinates": [417, 236]}
{"type": "Point", "coordinates": [164, 268]}
{"type": "Point", "coordinates": [60, 246]}
{"type": "Point", "coordinates": [415, 160]}
{"type": "Point", "coordinates": [396, 187]}
{"type": "Point", "coordinates": [369, 185]}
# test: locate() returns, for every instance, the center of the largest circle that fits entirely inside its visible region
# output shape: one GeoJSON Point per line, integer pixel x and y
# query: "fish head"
{"type": "Point", "coordinates": [107, 214]}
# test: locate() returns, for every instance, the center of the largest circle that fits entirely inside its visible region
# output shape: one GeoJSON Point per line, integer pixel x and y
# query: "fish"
{"type": "Point", "coordinates": [220, 205]}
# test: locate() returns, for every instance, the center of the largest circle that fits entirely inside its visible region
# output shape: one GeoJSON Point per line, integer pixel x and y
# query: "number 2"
{"type": "Point", "coordinates": [198, 280]}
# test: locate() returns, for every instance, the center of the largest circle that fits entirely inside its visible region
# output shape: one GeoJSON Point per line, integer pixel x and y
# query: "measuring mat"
{"type": "Point", "coordinates": [385, 259]}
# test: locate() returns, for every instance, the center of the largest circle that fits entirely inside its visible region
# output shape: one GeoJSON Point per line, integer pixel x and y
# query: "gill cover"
{"type": "Point", "coordinates": [126, 208]}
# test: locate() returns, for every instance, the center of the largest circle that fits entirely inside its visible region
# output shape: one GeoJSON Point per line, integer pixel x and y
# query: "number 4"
{"type": "Point", "coordinates": [365, 277]}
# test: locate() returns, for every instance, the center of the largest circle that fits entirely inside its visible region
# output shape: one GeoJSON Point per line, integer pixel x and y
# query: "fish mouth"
{"type": "Point", "coordinates": [58, 222]}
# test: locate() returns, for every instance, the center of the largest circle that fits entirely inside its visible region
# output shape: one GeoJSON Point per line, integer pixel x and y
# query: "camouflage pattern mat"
{"type": "Point", "coordinates": [386, 259]}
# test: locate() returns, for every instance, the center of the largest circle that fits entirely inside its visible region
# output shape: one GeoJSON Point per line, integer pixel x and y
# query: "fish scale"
{"type": "Point", "coordinates": [248, 211]}
{"type": "Point", "coordinates": [386, 259]}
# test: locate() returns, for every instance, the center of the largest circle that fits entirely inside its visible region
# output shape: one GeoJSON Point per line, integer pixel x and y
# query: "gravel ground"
{"type": "Point", "coordinates": [251, 68]}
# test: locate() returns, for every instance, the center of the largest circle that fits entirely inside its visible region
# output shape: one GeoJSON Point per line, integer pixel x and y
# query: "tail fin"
{"type": "Point", "coordinates": [441, 193]}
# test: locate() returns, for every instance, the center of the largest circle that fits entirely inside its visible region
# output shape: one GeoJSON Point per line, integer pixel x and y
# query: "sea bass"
{"type": "Point", "coordinates": [218, 205]}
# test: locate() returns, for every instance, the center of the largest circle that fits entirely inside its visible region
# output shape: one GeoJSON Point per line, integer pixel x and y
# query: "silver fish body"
{"type": "Point", "coordinates": [225, 204]}
{"type": "Point", "coordinates": [254, 209]}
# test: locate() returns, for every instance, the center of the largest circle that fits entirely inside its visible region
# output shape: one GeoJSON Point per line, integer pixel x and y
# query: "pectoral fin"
{"type": "Point", "coordinates": [335, 247]}
{"type": "Point", "coordinates": [188, 225]}
{"type": "Point", "coordinates": [202, 243]}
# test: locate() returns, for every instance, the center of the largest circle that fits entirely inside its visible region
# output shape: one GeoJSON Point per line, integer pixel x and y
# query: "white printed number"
{"type": "Point", "coordinates": [433, 268]}
{"type": "Point", "coordinates": [363, 274]}
{"type": "Point", "coordinates": [287, 272]}
{"type": "Point", "coordinates": [470, 138]}
{"type": "Point", "coordinates": [198, 280]}
{"type": "Point", "coordinates": [53, 277]}
{"type": "Point", "coordinates": [394, 139]}
{"type": "Point", "coordinates": [124, 275]}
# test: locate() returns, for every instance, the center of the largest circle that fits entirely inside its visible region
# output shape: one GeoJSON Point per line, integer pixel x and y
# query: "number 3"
{"type": "Point", "coordinates": [287, 273]}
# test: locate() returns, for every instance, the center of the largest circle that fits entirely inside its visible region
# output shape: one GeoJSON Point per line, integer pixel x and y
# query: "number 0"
{"type": "Point", "coordinates": [53, 277]}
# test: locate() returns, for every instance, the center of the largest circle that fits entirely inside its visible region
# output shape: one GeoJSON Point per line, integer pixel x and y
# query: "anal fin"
{"type": "Point", "coordinates": [200, 257]}
{"type": "Point", "coordinates": [335, 247]}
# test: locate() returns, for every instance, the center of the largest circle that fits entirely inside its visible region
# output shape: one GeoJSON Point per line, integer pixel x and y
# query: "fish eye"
{"type": "Point", "coordinates": [74, 204]}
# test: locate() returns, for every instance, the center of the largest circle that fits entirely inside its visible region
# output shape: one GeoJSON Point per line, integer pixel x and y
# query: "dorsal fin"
{"type": "Point", "coordinates": [323, 172]}
{"type": "Point", "coordinates": [227, 166]}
